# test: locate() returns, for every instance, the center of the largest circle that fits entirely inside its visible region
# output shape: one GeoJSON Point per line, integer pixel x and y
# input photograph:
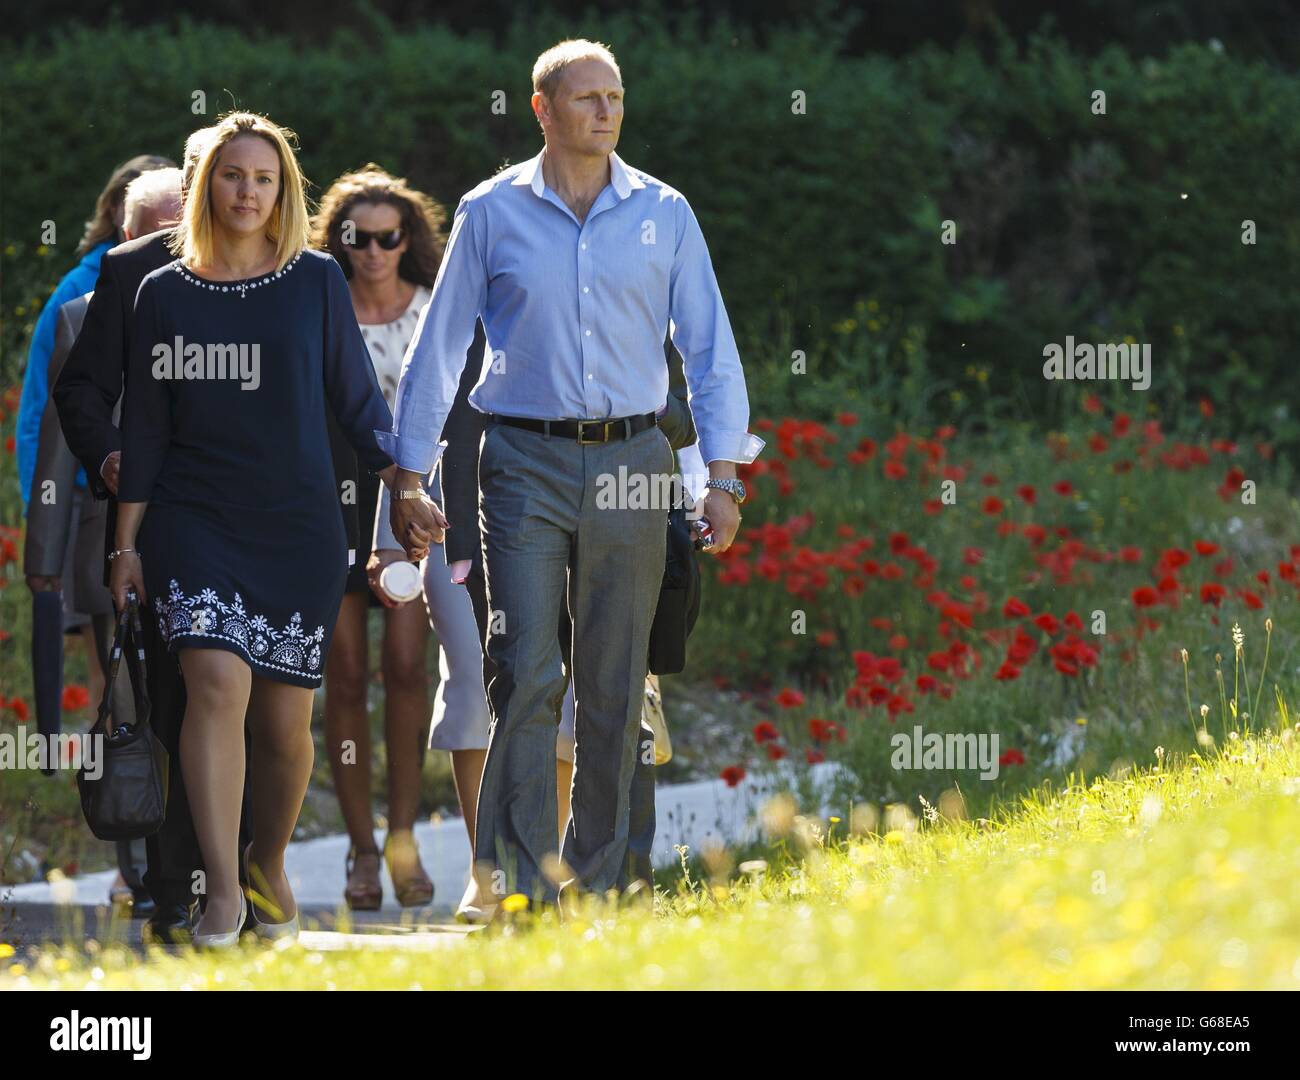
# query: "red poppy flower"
{"type": "Point", "coordinates": [1063, 487]}
{"type": "Point", "coordinates": [775, 753]}
{"type": "Point", "coordinates": [765, 731]}
{"type": "Point", "coordinates": [815, 757]}
{"type": "Point", "coordinates": [1252, 601]}
{"type": "Point", "coordinates": [789, 699]}
{"type": "Point", "coordinates": [1205, 547]}
{"type": "Point", "coordinates": [75, 697]}
{"type": "Point", "coordinates": [1073, 621]}
{"type": "Point", "coordinates": [19, 707]}
{"type": "Point", "coordinates": [1012, 757]}
{"type": "Point", "coordinates": [993, 505]}
{"type": "Point", "coordinates": [1092, 404]}
{"type": "Point", "coordinates": [733, 774]}
{"type": "Point", "coordinates": [1175, 558]}
{"type": "Point", "coordinates": [846, 419]}
{"type": "Point", "coordinates": [1027, 492]}
{"type": "Point", "coordinates": [1145, 596]}
{"type": "Point", "coordinates": [1130, 554]}
{"type": "Point", "coordinates": [895, 470]}
{"type": "Point", "coordinates": [1015, 609]}
{"type": "Point", "coordinates": [1007, 671]}
{"type": "Point", "coordinates": [1047, 622]}
{"type": "Point", "coordinates": [1121, 426]}
{"type": "Point", "coordinates": [1212, 593]}
{"type": "Point", "coordinates": [925, 683]}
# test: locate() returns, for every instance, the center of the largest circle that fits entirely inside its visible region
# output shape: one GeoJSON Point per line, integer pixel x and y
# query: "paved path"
{"type": "Point", "coordinates": [693, 814]}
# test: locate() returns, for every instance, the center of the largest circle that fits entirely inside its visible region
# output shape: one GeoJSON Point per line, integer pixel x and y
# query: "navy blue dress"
{"type": "Point", "coordinates": [224, 435]}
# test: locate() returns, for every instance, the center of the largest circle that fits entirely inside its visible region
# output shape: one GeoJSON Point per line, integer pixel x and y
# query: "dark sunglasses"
{"type": "Point", "coordinates": [387, 240]}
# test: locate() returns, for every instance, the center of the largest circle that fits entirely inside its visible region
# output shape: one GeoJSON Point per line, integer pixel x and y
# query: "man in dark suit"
{"type": "Point", "coordinates": [85, 395]}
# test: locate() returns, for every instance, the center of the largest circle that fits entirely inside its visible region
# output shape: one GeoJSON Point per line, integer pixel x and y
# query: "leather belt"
{"type": "Point", "coordinates": [585, 431]}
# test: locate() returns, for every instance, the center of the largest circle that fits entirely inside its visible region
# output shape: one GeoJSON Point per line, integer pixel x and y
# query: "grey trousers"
{"type": "Point", "coordinates": [547, 527]}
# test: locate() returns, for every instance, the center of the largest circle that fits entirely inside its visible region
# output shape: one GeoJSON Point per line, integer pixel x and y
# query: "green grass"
{"type": "Point", "coordinates": [1179, 874]}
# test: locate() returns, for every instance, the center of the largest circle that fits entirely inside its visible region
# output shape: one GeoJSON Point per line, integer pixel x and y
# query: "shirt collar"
{"type": "Point", "coordinates": [625, 181]}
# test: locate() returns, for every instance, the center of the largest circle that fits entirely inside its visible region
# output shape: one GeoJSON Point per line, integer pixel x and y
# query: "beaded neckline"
{"type": "Point", "coordinates": [242, 287]}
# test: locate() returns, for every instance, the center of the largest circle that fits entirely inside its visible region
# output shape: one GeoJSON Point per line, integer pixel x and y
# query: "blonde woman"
{"type": "Point", "coordinates": [238, 349]}
{"type": "Point", "coordinates": [387, 238]}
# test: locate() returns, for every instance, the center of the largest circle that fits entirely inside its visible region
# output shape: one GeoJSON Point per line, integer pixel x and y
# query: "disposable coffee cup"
{"type": "Point", "coordinates": [400, 581]}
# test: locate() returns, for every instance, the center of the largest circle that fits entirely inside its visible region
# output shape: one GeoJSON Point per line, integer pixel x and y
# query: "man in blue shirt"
{"type": "Point", "coordinates": [576, 263]}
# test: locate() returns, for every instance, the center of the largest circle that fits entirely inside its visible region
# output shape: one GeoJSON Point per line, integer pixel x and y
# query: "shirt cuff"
{"type": "Point", "coordinates": [741, 447]}
{"type": "Point", "coordinates": [413, 455]}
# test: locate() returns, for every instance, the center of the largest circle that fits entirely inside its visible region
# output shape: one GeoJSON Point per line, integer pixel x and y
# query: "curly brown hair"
{"type": "Point", "coordinates": [423, 219]}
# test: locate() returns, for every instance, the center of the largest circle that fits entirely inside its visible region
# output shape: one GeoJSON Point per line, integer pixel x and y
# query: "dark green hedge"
{"type": "Point", "coordinates": [1068, 222]}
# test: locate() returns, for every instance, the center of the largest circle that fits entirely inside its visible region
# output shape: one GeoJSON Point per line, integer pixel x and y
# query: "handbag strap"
{"type": "Point", "coordinates": [129, 636]}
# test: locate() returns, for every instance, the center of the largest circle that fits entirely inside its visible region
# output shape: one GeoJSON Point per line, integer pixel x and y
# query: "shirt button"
{"type": "Point", "coordinates": [584, 247]}
{"type": "Point", "coordinates": [588, 333]}
{"type": "Point", "coordinates": [585, 289]}
{"type": "Point", "coordinates": [589, 376]}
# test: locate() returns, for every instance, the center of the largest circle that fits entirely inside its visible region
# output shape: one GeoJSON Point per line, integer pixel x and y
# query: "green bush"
{"type": "Point", "coordinates": [1067, 222]}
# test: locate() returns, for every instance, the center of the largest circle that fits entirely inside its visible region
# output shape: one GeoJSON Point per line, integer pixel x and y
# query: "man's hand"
{"type": "Point", "coordinates": [378, 561]}
{"type": "Point", "coordinates": [724, 517]}
{"type": "Point", "coordinates": [110, 469]}
{"type": "Point", "coordinates": [416, 523]}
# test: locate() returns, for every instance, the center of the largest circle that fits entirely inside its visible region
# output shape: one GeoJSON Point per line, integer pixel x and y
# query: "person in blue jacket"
{"type": "Point", "coordinates": [103, 231]}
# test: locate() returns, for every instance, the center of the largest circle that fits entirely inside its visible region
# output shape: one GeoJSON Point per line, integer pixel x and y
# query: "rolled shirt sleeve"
{"type": "Point", "coordinates": [436, 357]}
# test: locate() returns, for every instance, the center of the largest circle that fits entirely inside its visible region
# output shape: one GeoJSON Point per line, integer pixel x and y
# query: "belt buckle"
{"type": "Point", "coordinates": [582, 438]}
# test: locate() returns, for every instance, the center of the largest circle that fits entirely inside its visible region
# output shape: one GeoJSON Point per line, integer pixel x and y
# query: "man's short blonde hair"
{"type": "Point", "coordinates": [548, 72]}
{"type": "Point", "coordinates": [155, 190]}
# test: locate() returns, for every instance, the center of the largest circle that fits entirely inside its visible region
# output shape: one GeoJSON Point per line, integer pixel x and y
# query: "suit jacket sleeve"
{"type": "Point", "coordinates": [90, 383]}
{"type": "Point", "coordinates": [677, 424]}
{"type": "Point", "coordinates": [463, 432]}
{"type": "Point", "coordinates": [49, 516]}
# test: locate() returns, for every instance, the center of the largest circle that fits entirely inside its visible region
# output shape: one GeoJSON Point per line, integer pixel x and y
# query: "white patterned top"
{"type": "Point", "coordinates": [387, 343]}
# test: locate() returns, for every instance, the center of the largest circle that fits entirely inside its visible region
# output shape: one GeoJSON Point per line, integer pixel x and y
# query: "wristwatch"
{"type": "Point", "coordinates": [734, 488]}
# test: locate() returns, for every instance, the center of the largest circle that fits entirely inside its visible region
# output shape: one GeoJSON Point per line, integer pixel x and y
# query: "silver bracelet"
{"type": "Point", "coordinates": [121, 551]}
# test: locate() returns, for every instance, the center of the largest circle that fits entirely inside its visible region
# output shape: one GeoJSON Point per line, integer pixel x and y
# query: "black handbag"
{"type": "Point", "coordinates": [679, 598]}
{"type": "Point", "coordinates": [128, 798]}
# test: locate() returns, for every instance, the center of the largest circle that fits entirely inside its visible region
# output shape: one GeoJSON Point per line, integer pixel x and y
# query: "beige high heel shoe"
{"type": "Point", "coordinates": [280, 931]}
{"type": "Point", "coordinates": [227, 939]}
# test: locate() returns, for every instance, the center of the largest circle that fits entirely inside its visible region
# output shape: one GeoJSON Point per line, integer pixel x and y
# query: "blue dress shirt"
{"type": "Point", "coordinates": [575, 314]}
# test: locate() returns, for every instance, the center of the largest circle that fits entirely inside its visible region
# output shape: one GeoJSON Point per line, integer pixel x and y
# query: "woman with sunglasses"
{"type": "Point", "coordinates": [388, 239]}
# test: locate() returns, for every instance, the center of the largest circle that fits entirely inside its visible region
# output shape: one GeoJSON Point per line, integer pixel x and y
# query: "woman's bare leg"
{"type": "Point", "coordinates": [279, 720]}
{"type": "Point", "coordinates": [563, 789]}
{"type": "Point", "coordinates": [217, 687]}
{"type": "Point", "coordinates": [348, 720]}
{"type": "Point", "coordinates": [406, 708]}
